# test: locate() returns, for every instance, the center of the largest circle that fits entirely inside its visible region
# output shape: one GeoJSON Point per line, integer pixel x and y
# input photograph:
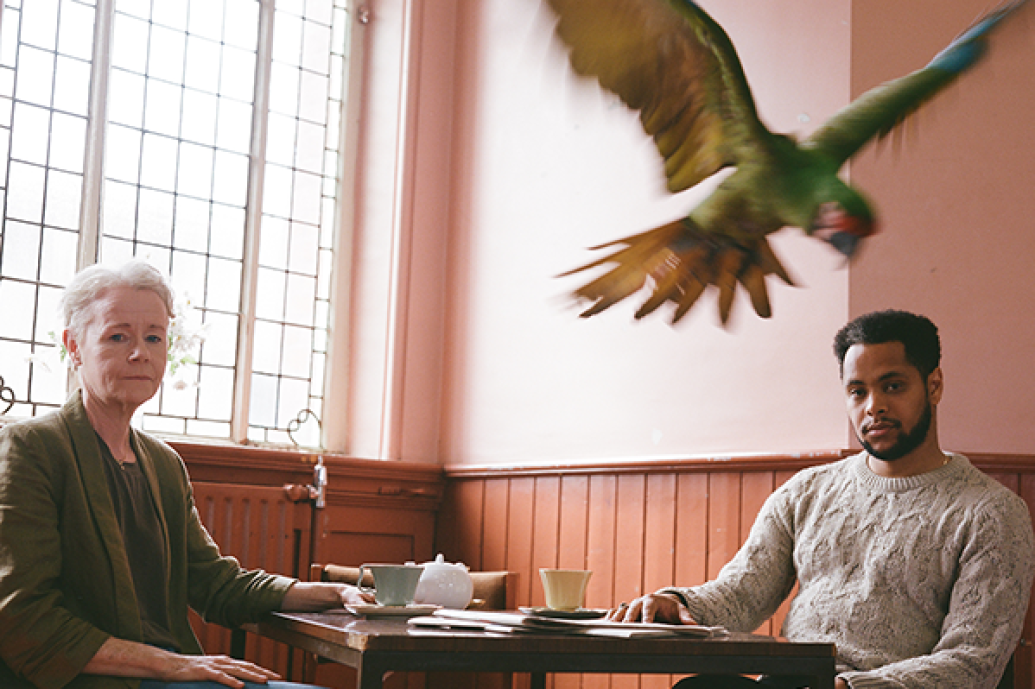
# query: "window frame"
{"type": "Point", "coordinates": [335, 374]}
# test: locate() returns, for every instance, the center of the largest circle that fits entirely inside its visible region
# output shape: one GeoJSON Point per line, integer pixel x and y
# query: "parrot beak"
{"type": "Point", "coordinates": [845, 242]}
{"type": "Point", "coordinates": [842, 231]}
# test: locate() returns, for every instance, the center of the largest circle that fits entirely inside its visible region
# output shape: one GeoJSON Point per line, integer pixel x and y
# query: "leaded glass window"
{"type": "Point", "coordinates": [202, 136]}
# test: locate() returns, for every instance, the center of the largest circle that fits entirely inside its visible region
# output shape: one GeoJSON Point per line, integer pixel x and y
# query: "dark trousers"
{"type": "Point", "coordinates": [736, 682]}
{"type": "Point", "coordinates": [273, 684]}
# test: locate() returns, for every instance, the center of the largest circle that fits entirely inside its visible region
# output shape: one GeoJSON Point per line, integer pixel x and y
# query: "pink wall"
{"type": "Point", "coordinates": [487, 168]}
{"type": "Point", "coordinates": [958, 240]}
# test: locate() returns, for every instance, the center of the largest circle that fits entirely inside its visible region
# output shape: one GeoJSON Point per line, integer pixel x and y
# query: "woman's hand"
{"type": "Point", "coordinates": [220, 669]}
{"type": "Point", "coordinates": [313, 596]}
{"type": "Point", "coordinates": [122, 658]}
{"type": "Point", "coordinates": [654, 607]}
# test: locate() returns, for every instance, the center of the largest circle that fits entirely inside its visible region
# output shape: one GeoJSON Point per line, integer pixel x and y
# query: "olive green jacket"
{"type": "Point", "coordinates": [65, 582]}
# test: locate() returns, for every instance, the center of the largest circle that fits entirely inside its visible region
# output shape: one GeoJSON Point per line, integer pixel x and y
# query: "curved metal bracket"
{"type": "Point", "coordinates": [6, 395]}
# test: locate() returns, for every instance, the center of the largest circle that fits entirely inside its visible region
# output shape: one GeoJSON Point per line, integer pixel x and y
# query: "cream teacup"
{"type": "Point", "coordinates": [393, 584]}
{"type": "Point", "coordinates": [565, 589]}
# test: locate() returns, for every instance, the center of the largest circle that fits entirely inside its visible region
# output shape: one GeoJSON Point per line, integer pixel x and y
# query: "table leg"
{"type": "Point", "coordinates": [369, 676]}
{"type": "Point", "coordinates": [538, 680]}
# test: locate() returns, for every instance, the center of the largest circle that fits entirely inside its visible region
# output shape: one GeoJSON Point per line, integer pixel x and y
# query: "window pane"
{"type": "Point", "coordinates": [67, 142]}
{"type": "Point", "coordinates": [266, 357]}
{"type": "Point", "coordinates": [64, 196]}
{"type": "Point", "coordinates": [224, 285]}
{"type": "Point", "coordinates": [200, 71]}
{"type": "Point", "coordinates": [243, 32]}
{"type": "Point", "coordinates": [273, 252]}
{"type": "Point", "coordinates": [21, 252]}
{"type": "Point", "coordinates": [72, 86]}
{"type": "Point", "coordinates": [228, 231]}
{"type": "Point", "coordinates": [199, 117]}
{"type": "Point", "coordinates": [158, 162]}
{"type": "Point", "coordinates": [237, 74]}
{"type": "Point", "coordinates": [25, 192]}
{"type": "Point", "coordinates": [162, 111]}
{"type": "Point", "coordinates": [220, 347]}
{"type": "Point", "coordinates": [298, 348]}
{"type": "Point", "coordinates": [120, 203]}
{"type": "Point", "coordinates": [39, 23]}
{"type": "Point", "coordinates": [75, 34]}
{"type": "Point", "coordinates": [129, 44]}
{"type": "Point", "coordinates": [19, 300]}
{"type": "Point", "coordinates": [126, 98]}
{"type": "Point", "coordinates": [154, 217]}
{"type": "Point", "coordinates": [195, 176]}
{"type": "Point", "coordinates": [166, 53]}
{"type": "Point", "coordinates": [57, 262]}
{"type": "Point", "coordinates": [216, 393]}
{"type": "Point", "coordinates": [31, 129]}
{"type": "Point", "coordinates": [191, 227]}
{"type": "Point", "coordinates": [233, 129]}
{"type": "Point", "coordinates": [122, 154]}
{"type": "Point", "coordinates": [205, 19]}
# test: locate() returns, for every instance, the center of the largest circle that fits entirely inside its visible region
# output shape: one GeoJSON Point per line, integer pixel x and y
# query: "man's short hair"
{"type": "Point", "coordinates": [916, 333]}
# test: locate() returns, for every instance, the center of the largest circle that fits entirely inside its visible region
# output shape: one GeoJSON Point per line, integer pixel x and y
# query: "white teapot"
{"type": "Point", "coordinates": [445, 584]}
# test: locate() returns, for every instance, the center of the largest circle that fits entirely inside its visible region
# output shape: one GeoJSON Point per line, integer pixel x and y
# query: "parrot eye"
{"type": "Point", "coordinates": [830, 218]}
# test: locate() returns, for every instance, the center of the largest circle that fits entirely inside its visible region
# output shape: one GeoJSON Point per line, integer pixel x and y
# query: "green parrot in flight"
{"type": "Point", "coordinates": [674, 64]}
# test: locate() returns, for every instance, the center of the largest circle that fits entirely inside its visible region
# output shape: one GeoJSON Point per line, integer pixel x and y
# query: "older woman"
{"type": "Point", "coordinates": [101, 548]}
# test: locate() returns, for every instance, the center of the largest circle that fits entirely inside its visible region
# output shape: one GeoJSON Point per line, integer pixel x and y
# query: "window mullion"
{"type": "Point", "coordinates": [253, 223]}
{"type": "Point", "coordinates": [93, 166]}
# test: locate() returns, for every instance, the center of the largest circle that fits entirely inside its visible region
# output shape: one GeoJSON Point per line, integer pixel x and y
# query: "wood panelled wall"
{"type": "Point", "coordinates": [257, 506]}
{"type": "Point", "coordinates": [639, 526]}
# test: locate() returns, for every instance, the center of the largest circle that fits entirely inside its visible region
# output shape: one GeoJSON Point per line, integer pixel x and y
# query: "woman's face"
{"type": "Point", "coordinates": [121, 352]}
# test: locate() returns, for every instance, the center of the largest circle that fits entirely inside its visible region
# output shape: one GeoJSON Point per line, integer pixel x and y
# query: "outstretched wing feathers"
{"type": "Point", "coordinates": [879, 111]}
{"type": "Point", "coordinates": [680, 261]}
{"type": "Point", "coordinates": [671, 62]}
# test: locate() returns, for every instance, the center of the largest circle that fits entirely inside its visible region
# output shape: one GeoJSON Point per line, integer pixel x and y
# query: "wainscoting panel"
{"type": "Point", "coordinates": [639, 526]}
{"type": "Point", "coordinates": [263, 530]}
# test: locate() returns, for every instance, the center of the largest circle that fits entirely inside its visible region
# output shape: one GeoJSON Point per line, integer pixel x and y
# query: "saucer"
{"type": "Point", "coordinates": [391, 610]}
{"type": "Point", "coordinates": [579, 614]}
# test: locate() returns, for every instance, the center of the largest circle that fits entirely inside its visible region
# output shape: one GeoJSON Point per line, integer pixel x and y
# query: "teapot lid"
{"type": "Point", "coordinates": [440, 561]}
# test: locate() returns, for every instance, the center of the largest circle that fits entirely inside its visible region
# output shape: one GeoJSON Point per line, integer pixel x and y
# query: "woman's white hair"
{"type": "Point", "coordinates": [92, 282]}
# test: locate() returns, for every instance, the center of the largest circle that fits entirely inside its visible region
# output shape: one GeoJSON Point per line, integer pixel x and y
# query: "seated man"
{"type": "Point", "coordinates": [914, 563]}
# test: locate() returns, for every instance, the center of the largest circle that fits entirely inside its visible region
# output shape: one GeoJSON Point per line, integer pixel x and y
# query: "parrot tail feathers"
{"type": "Point", "coordinates": [678, 262]}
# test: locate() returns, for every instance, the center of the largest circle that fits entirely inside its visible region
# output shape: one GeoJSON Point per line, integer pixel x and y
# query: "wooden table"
{"type": "Point", "coordinates": [375, 647]}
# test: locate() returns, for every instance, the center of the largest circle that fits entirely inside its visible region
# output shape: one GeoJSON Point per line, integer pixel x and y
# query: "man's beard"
{"type": "Point", "coordinates": [906, 443]}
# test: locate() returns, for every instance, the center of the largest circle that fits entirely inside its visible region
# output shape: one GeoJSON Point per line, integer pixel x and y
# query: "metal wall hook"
{"type": "Point", "coordinates": [296, 423]}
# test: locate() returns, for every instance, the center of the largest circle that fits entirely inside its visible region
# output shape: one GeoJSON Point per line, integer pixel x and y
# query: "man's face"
{"type": "Point", "coordinates": [889, 403]}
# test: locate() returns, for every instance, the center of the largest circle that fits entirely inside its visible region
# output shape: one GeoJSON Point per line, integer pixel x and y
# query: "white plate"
{"type": "Point", "coordinates": [391, 610]}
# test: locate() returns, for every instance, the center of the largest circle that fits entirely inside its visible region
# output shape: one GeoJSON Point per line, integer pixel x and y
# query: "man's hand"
{"type": "Point", "coordinates": [654, 607]}
{"type": "Point", "coordinates": [841, 684]}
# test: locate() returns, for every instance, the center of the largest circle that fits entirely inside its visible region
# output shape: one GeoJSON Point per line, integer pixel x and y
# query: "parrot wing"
{"type": "Point", "coordinates": [670, 61]}
{"type": "Point", "coordinates": [878, 111]}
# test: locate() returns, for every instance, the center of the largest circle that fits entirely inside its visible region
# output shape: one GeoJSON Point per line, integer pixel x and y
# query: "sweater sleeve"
{"type": "Point", "coordinates": [214, 584]}
{"type": "Point", "coordinates": [751, 587]}
{"type": "Point", "coordinates": [986, 608]}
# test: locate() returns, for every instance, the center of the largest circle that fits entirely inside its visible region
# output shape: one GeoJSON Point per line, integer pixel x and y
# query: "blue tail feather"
{"type": "Point", "coordinates": [970, 45]}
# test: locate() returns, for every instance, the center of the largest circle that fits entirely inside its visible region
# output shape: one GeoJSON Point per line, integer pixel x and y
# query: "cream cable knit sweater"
{"type": "Point", "coordinates": [922, 582]}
